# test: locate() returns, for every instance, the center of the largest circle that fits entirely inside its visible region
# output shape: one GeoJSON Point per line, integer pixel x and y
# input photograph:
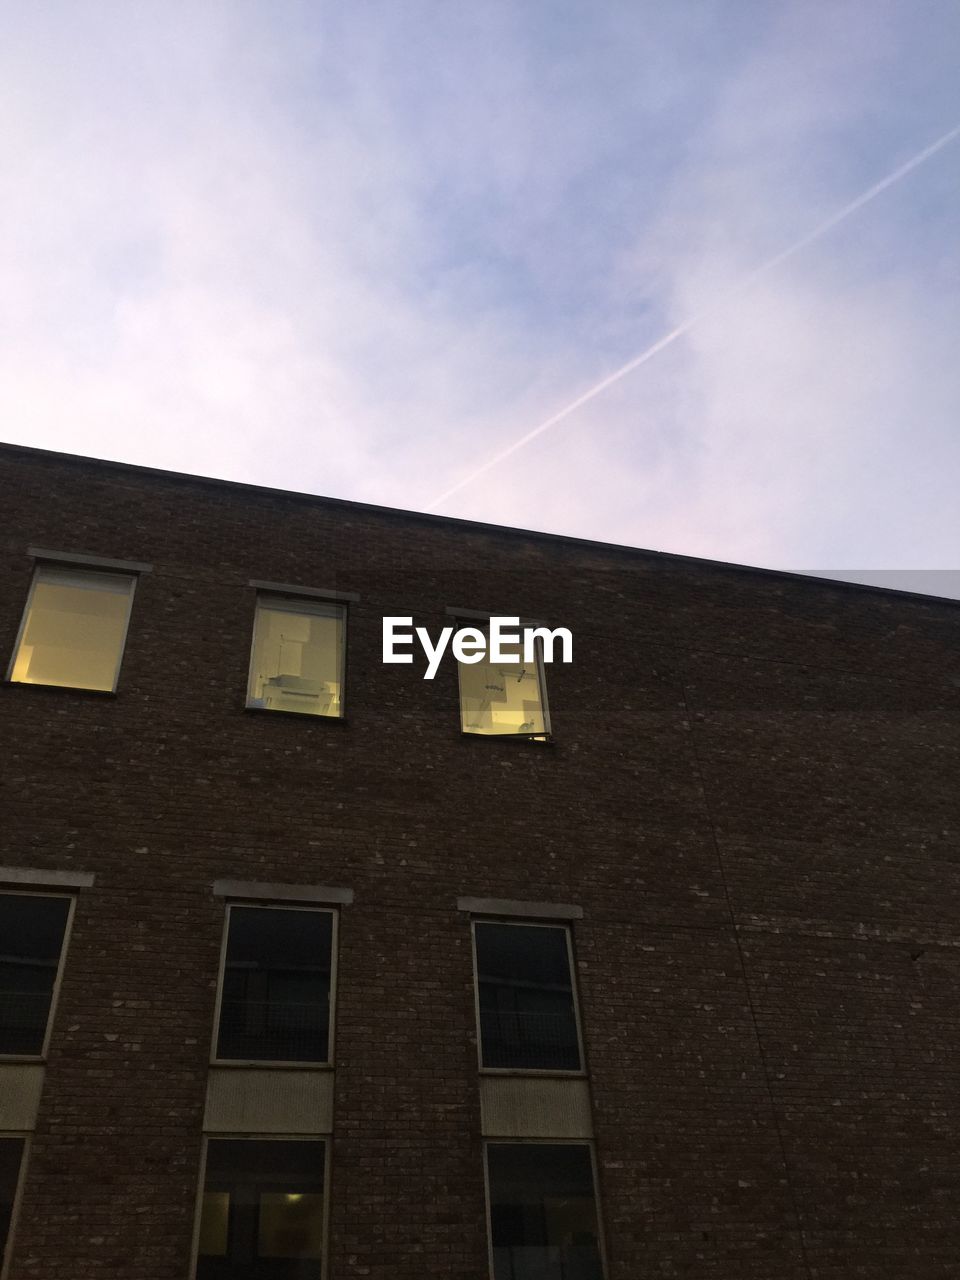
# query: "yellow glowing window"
{"type": "Point", "coordinates": [73, 629]}
{"type": "Point", "coordinates": [297, 659]}
{"type": "Point", "coordinates": [504, 698]}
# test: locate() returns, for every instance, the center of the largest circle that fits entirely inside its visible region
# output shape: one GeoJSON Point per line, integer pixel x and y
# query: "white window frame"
{"type": "Point", "coordinates": [545, 1142]}
{"type": "Point", "coordinates": [578, 1074]}
{"type": "Point", "coordinates": [267, 1063]}
{"type": "Point", "coordinates": [58, 977]}
{"type": "Point", "coordinates": [325, 1138]}
{"type": "Point", "coordinates": [481, 622]}
{"type": "Point", "coordinates": [312, 604]}
{"type": "Point", "coordinates": [80, 571]}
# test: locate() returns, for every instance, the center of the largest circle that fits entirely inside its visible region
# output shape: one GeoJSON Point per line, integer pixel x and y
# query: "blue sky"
{"type": "Point", "coordinates": [359, 249]}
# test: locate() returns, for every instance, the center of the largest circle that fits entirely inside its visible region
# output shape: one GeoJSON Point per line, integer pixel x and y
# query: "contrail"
{"type": "Point", "coordinates": [668, 338]}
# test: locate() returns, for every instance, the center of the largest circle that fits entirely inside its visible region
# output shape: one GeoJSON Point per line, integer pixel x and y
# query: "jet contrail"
{"type": "Point", "coordinates": [819, 230]}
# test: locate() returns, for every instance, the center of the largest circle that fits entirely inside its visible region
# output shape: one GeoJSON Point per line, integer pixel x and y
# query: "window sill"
{"type": "Point", "coordinates": [542, 740]}
{"type": "Point", "coordinates": [15, 1059]}
{"type": "Point", "coordinates": [541, 1073]}
{"type": "Point", "coordinates": [295, 715]}
{"type": "Point", "coordinates": [61, 688]}
{"type": "Point", "coordinates": [259, 1064]}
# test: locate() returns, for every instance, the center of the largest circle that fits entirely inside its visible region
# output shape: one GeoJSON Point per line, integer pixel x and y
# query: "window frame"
{"type": "Point", "coordinates": [481, 622]}
{"type": "Point", "coordinates": [58, 977]}
{"type": "Point", "coordinates": [80, 570]}
{"type": "Point", "coordinates": [318, 602]}
{"type": "Point", "coordinates": [207, 1138]}
{"type": "Point", "coordinates": [279, 1063]}
{"type": "Point", "coordinates": [544, 1072]}
{"type": "Point", "coordinates": [589, 1143]}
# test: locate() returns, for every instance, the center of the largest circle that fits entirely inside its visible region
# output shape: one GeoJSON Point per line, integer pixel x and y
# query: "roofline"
{"type": "Point", "coordinates": [428, 517]}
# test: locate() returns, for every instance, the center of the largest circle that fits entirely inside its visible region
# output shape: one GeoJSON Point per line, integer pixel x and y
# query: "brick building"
{"type": "Point", "coordinates": [310, 966]}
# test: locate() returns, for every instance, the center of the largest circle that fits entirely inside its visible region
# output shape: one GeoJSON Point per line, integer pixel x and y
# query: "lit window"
{"type": "Point", "coordinates": [275, 994]}
{"type": "Point", "coordinates": [31, 942]}
{"type": "Point", "coordinates": [525, 997]}
{"type": "Point", "coordinates": [504, 698]}
{"type": "Point", "coordinates": [11, 1156]}
{"type": "Point", "coordinates": [297, 658]}
{"type": "Point", "coordinates": [262, 1211]}
{"type": "Point", "coordinates": [543, 1211]}
{"type": "Point", "coordinates": [73, 628]}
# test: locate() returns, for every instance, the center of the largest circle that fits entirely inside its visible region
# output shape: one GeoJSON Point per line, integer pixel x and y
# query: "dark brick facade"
{"type": "Point", "coordinates": [752, 792]}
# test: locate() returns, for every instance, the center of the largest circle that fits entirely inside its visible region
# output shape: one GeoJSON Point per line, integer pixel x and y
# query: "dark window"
{"type": "Point", "coordinates": [262, 1214]}
{"type": "Point", "coordinates": [275, 1004]}
{"type": "Point", "coordinates": [31, 939]}
{"type": "Point", "coordinates": [543, 1212]}
{"type": "Point", "coordinates": [527, 1014]}
{"type": "Point", "coordinates": [11, 1153]}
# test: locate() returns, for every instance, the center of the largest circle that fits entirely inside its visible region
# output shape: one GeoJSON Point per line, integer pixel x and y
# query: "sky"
{"type": "Point", "coordinates": [363, 249]}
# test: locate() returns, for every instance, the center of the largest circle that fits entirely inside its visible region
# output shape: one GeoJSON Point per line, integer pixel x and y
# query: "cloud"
{"type": "Point", "coordinates": [809, 420]}
{"type": "Point", "coordinates": [357, 250]}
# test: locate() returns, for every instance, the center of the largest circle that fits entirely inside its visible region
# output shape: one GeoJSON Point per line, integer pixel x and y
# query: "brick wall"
{"type": "Point", "coordinates": [752, 793]}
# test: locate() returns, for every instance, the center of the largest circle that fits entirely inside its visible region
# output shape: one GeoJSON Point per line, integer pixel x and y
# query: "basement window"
{"type": "Point", "coordinates": [275, 991]}
{"type": "Point", "coordinates": [543, 1211]}
{"type": "Point", "coordinates": [504, 699]}
{"type": "Point", "coordinates": [526, 1003]}
{"type": "Point", "coordinates": [298, 656]}
{"type": "Point", "coordinates": [32, 929]}
{"type": "Point", "coordinates": [73, 629]}
{"type": "Point", "coordinates": [262, 1212]}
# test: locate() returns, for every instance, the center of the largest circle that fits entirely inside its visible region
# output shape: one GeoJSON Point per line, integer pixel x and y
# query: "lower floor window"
{"type": "Point", "coordinates": [11, 1156]}
{"type": "Point", "coordinates": [543, 1211]}
{"type": "Point", "coordinates": [262, 1216]}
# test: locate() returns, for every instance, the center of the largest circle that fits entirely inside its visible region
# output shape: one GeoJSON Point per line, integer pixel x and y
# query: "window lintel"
{"type": "Point", "coordinates": [262, 891]}
{"type": "Point", "coordinates": [88, 562]}
{"type": "Point", "coordinates": [312, 593]}
{"type": "Point", "coordinates": [31, 876]}
{"type": "Point", "coordinates": [522, 910]}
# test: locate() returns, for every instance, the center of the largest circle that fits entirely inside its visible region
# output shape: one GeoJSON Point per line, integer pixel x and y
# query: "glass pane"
{"type": "Point", "coordinates": [297, 658]}
{"type": "Point", "coordinates": [527, 1015]}
{"type": "Point", "coordinates": [501, 698]}
{"type": "Point", "coordinates": [31, 937]}
{"type": "Point", "coordinates": [74, 629]}
{"type": "Point", "coordinates": [275, 1005]}
{"type": "Point", "coordinates": [543, 1214]}
{"type": "Point", "coordinates": [273, 1193]}
{"type": "Point", "coordinates": [11, 1153]}
{"type": "Point", "coordinates": [291, 1224]}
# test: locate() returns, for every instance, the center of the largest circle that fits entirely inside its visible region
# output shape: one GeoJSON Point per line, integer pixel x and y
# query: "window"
{"type": "Point", "coordinates": [525, 997]}
{"type": "Point", "coordinates": [275, 993]}
{"type": "Point", "coordinates": [73, 628]}
{"type": "Point", "coordinates": [543, 1212]}
{"type": "Point", "coordinates": [262, 1213]}
{"type": "Point", "coordinates": [11, 1157]}
{"type": "Point", "coordinates": [297, 658]}
{"type": "Point", "coordinates": [32, 929]}
{"type": "Point", "coordinates": [505, 699]}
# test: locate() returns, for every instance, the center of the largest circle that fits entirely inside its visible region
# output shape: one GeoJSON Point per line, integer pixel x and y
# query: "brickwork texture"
{"type": "Point", "coordinates": [752, 791]}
